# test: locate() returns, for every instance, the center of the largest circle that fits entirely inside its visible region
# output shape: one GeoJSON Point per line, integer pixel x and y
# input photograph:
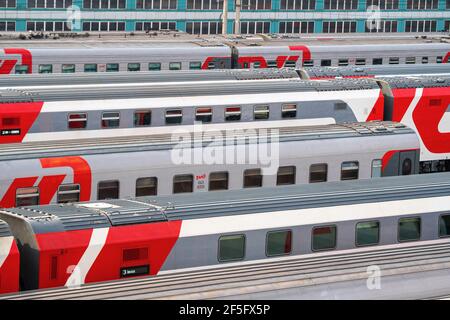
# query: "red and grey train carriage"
{"type": "Point", "coordinates": [73, 244]}
{"type": "Point", "coordinates": [9, 260]}
{"type": "Point", "coordinates": [64, 171]}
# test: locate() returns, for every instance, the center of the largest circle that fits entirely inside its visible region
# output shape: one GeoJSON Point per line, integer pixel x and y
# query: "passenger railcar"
{"type": "Point", "coordinates": [73, 244]}
{"type": "Point", "coordinates": [62, 171]}
{"type": "Point", "coordinates": [9, 260]}
{"type": "Point", "coordinates": [185, 52]}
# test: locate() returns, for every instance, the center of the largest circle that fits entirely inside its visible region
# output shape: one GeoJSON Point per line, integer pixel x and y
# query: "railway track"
{"type": "Point", "coordinates": [277, 274]}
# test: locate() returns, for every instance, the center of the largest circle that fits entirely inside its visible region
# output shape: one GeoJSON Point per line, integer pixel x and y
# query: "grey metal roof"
{"type": "Point", "coordinates": [31, 150]}
{"type": "Point", "coordinates": [102, 213]}
{"type": "Point", "coordinates": [4, 229]}
{"type": "Point", "coordinates": [189, 89]}
{"type": "Point", "coordinates": [417, 82]}
{"type": "Point", "coordinates": [17, 80]}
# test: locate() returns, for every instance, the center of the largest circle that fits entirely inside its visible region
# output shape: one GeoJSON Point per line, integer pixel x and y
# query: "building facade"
{"type": "Point", "coordinates": [204, 16]}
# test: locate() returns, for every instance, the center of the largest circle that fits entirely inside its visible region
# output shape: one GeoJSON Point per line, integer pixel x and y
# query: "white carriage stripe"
{"type": "Point", "coordinates": [139, 131]}
{"type": "Point", "coordinates": [5, 248]}
{"type": "Point", "coordinates": [444, 124]}
{"type": "Point", "coordinates": [314, 216]}
{"type": "Point", "coordinates": [96, 243]}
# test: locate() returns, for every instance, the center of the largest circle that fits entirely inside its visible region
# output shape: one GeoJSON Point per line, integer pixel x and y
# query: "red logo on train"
{"type": "Point", "coordinates": [14, 56]}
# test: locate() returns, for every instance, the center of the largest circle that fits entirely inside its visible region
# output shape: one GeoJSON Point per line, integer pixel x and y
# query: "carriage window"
{"type": "Point", "coordinates": [360, 62]}
{"type": "Point", "coordinates": [289, 111]}
{"type": "Point", "coordinates": [110, 119]}
{"type": "Point", "coordinates": [406, 167]}
{"type": "Point", "coordinates": [142, 118]}
{"type": "Point", "coordinates": [376, 168]}
{"type": "Point", "coordinates": [367, 233]}
{"type": "Point", "coordinates": [231, 248]}
{"type": "Point", "coordinates": [349, 170]}
{"type": "Point", "coordinates": [90, 67]}
{"type": "Point", "coordinates": [377, 61]}
{"type": "Point", "coordinates": [324, 238]}
{"type": "Point", "coordinates": [408, 229]}
{"type": "Point", "coordinates": [272, 64]}
{"type": "Point", "coordinates": [424, 60]}
{"type": "Point", "coordinates": [77, 120]}
{"type": "Point", "coordinates": [233, 114]}
{"type": "Point", "coordinates": [146, 186]}
{"type": "Point", "coordinates": [290, 64]}
{"type": "Point", "coordinates": [21, 69]}
{"type": "Point", "coordinates": [27, 196]}
{"type": "Point", "coordinates": [197, 65]}
{"type": "Point", "coordinates": [112, 67]}
{"type": "Point", "coordinates": [68, 68]}
{"type": "Point", "coordinates": [203, 114]}
{"type": "Point", "coordinates": [325, 63]}
{"type": "Point", "coordinates": [261, 112]}
{"type": "Point", "coordinates": [175, 66]}
{"type": "Point", "coordinates": [410, 60]}
{"type": "Point", "coordinates": [256, 65]}
{"type": "Point", "coordinates": [183, 183]}
{"type": "Point", "coordinates": [252, 178]}
{"type": "Point", "coordinates": [308, 63]}
{"type": "Point", "coordinates": [278, 243]}
{"type": "Point", "coordinates": [211, 65]}
{"type": "Point", "coordinates": [108, 190]}
{"type": "Point", "coordinates": [444, 225]}
{"type": "Point", "coordinates": [394, 60]}
{"type": "Point", "coordinates": [286, 175]}
{"type": "Point", "coordinates": [154, 66]}
{"type": "Point", "coordinates": [438, 60]}
{"type": "Point", "coordinates": [68, 193]}
{"type": "Point", "coordinates": [318, 172]}
{"type": "Point", "coordinates": [45, 68]}
{"type": "Point", "coordinates": [134, 67]}
{"type": "Point", "coordinates": [343, 62]}
{"type": "Point", "coordinates": [174, 116]}
{"type": "Point", "coordinates": [218, 181]}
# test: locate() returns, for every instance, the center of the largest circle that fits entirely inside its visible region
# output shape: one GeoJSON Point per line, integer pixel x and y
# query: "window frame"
{"type": "Point", "coordinates": [77, 113]}
{"type": "Point", "coordinates": [232, 235]}
{"type": "Point", "coordinates": [398, 228]}
{"type": "Point", "coordinates": [27, 196]}
{"type": "Point", "coordinates": [335, 238]}
{"type": "Point", "coordinates": [280, 254]}
{"type": "Point", "coordinates": [378, 233]}
{"type": "Point", "coordinates": [147, 195]}
{"type": "Point", "coordinates": [104, 181]}
{"type": "Point", "coordinates": [68, 192]}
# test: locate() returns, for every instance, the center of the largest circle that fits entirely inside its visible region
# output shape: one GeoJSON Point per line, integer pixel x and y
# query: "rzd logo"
{"type": "Point", "coordinates": [48, 185]}
{"type": "Point", "coordinates": [12, 56]}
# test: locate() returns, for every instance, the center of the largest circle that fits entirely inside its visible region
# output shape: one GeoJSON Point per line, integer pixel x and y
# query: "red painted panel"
{"type": "Point", "coordinates": [377, 112]}
{"type": "Point", "coordinates": [402, 101]}
{"type": "Point", "coordinates": [48, 187]}
{"type": "Point", "coordinates": [304, 49]}
{"type": "Point", "coordinates": [9, 271]}
{"type": "Point", "coordinates": [26, 112]}
{"type": "Point", "coordinates": [157, 238]}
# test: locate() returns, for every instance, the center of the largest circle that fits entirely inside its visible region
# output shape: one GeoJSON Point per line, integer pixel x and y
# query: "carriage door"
{"type": "Point", "coordinates": [407, 163]}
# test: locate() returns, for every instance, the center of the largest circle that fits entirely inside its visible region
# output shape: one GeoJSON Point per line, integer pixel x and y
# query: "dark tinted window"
{"type": "Point", "coordinates": [108, 190]}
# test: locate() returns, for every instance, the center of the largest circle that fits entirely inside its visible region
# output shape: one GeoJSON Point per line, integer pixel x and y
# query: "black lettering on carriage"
{"type": "Point", "coordinates": [134, 271]}
{"type": "Point", "coordinates": [10, 132]}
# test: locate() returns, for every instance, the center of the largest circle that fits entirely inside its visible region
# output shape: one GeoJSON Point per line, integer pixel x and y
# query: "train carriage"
{"type": "Point", "coordinates": [9, 260]}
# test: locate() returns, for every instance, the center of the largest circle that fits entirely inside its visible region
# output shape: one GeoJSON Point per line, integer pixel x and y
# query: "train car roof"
{"type": "Point", "coordinates": [107, 213]}
{"type": "Point", "coordinates": [417, 81]}
{"type": "Point", "coordinates": [161, 90]}
{"type": "Point", "coordinates": [34, 80]}
{"type": "Point", "coordinates": [4, 229]}
{"type": "Point", "coordinates": [91, 146]}
{"type": "Point", "coordinates": [376, 70]}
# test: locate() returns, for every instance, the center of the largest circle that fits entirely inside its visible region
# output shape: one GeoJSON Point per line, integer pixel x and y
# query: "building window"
{"type": "Point", "coordinates": [183, 183]}
{"type": "Point", "coordinates": [204, 4]}
{"type": "Point", "coordinates": [261, 113]}
{"type": "Point", "coordinates": [289, 111]}
{"type": "Point", "coordinates": [108, 190]}
{"type": "Point", "coordinates": [253, 178]}
{"type": "Point", "coordinates": [298, 4]}
{"type": "Point", "coordinates": [68, 193]}
{"type": "Point", "coordinates": [155, 25]}
{"type": "Point", "coordinates": [420, 26]}
{"type": "Point", "coordinates": [8, 26]}
{"type": "Point", "coordinates": [77, 121]}
{"type": "Point", "coordinates": [233, 114]}
{"type": "Point", "coordinates": [104, 26]}
{"type": "Point", "coordinates": [203, 114]}
{"type": "Point", "coordinates": [218, 181]}
{"type": "Point", "coordinates": [231, 248]}
{"type": "Point", "coordinates": [349, 170]}
{"type": "Point", "coordinates": [444, 225]}
{"type": "Point", "coordinates": [318, 173]}
{"type": "Point", "coordinates": [68, 68]}
{"type": "Point", "coordinates": [421, 4]}
{"type": "Point", "coordinates": [339, 26]}
{"type": "Point", "coordinates": [254, 27]}
{"type": "Point", "coordinates": [50, 4]}
{"type": "Point", "coordinates": [7, 3]}
{"type": "Point", "coordinates": [154, 66]}
{"type": "Point", "coordinates": [408, 229]}
{"type": "Point", "coordinates": [296, 27]}
{"type": "Point", "coordinates": [45, 68]}
{"type": "Point", "coordinates": [135, 66]}
{"type": "Point", "coordinates": [47, 26]}
{"type": "Point", "coordinates": [278, 243]}
{"type": "Point", "coordinates": [367, 233]}
{"type": "Point", "coordinates": [146, 186]}
{"type": "Point", "coordinates": [174, 116]}
{"type": "Point", "coordinates": [383, 4]}
{"type": "Point", "coordinates": [142, 118]}
{"type": "Point", "coordinates": [256, 4]}
{"type": "Point", "coordinates": [341, 4]}
{"type": "Point", "coordinates": [204, 27]}
{"type": "Point", "coordinates": [324, 238]}
{"type": "Point", "coordinates": [110, 119]}
{"type": "Point", "coordinates": [104, 4]}
{"type": "Point", "coordinates": [382, 26]}
{"type": "Point", "coordinates": [286, 175]}
{"type": "Point", "coordinates": [27, 197]}
{"type": "Point", "coordinates": [156, 4]}
{"type": "Point", "coordinates": [90, 67]}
